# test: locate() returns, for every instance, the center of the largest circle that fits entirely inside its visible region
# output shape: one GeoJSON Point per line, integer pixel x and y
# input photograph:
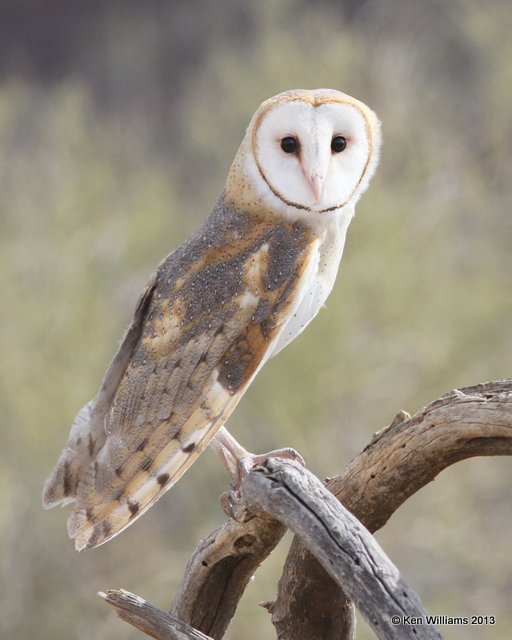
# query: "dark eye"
{"type": "Point", "coordinates": [338, 143]}
{"type": "Point", "coordinates": [289, 144]}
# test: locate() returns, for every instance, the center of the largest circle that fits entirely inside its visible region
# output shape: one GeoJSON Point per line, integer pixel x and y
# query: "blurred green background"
{"type": "Point", "coordinates": [118, 123]}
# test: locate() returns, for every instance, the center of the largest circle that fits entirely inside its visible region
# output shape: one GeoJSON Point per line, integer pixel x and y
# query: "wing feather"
{"type": "Point", "coordinates": [87, 435]}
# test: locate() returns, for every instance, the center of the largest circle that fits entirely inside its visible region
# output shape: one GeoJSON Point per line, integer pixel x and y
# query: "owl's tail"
{"type": "Point", "coordinates": [86, 438]}
{"type": "Point", "coordinates": [98, 517]}
{"type": "Point", "coordinates": [113, 482]}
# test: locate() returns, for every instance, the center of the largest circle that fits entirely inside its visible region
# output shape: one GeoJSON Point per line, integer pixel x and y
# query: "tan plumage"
{"type": "Point", "coordinates": [231, 296]}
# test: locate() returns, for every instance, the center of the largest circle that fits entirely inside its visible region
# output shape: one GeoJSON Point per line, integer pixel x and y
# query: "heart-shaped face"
{"type": "Point", "coordinates": [315, 150]}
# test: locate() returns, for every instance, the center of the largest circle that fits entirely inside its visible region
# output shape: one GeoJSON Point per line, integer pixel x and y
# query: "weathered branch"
{"type": "Point", "coordinates": [219, 570]}
{"type": "Point", "coordinates": [288, 492]}
{"type": "Point", "coordinates": [346, 550]}
{"type": "Point", "coordinates": [400, 460]}
{"type": "Point", "coordinates": [147, 618]}
{"type": "Point", "coordinates": [407, 455]}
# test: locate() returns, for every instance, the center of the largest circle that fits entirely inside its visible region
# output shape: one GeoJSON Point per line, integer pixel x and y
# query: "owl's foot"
{"type": "Point", "coordinates": [239, 462]}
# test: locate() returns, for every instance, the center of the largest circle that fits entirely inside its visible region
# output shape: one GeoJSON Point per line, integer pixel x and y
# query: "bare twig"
{"type": "Point", "coordinates": [147, 618]}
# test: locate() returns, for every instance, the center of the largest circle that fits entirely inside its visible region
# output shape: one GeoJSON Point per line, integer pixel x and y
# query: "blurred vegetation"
{"type": "Point", "coordinates": [118, 122]}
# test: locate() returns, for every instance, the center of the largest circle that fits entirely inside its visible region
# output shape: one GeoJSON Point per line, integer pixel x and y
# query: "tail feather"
{"type": "Point", "coordinates": [98, 516]}
{"type": "Point", "coordinates": [86, 438]}
{"type": "Point", "coordinates": [95, 526]}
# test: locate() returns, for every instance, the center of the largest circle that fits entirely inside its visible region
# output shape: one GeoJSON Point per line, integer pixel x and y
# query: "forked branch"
{"type": "Point", "coordinates": [294, 496]}
{"type": "Point", "coordinates": [345, 549]}
{"type": "Point", "coordinates": [399, 460]}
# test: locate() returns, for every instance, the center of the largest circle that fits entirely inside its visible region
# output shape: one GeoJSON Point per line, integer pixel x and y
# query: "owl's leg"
{"type": "Point", "coordinates": [238, 461]}
{"type": "Point", "coordinates": [224, 452]}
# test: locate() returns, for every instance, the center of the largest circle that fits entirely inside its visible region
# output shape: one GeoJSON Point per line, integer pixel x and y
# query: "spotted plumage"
{"type": "Point", "coordinates": [245, 284]}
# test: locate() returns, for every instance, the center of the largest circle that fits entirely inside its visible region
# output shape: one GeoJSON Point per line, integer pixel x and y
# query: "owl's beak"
{"type": "Point", "coordinates": [317, 184]}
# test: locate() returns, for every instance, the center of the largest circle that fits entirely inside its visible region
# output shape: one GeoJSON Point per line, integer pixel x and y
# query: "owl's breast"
{"type": "Point", "coordinates": [320, 282]}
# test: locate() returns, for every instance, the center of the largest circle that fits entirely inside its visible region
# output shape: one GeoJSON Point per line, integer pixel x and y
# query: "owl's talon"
{"type": "Point", "coordinates": [287, 453]}
{"type": "Point", "coordinates": [247, 464]}
{"type": "Point", "coordinates": [239, 464]}
{"type": "Point", "coordinates": [233, 508]}
{"type": "Point", "coordinates": [226, 503]}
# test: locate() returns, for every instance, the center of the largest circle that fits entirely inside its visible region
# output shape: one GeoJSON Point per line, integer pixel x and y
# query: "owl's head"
{"type": "Point", "coordinates": [306, 152]}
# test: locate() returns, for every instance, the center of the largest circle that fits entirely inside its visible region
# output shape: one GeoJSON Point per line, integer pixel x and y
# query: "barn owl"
{"type": "Point", "coordinates": [232, 296]}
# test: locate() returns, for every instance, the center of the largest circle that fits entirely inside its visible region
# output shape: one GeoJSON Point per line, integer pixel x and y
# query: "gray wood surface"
{"type": "Point", "coordinates": [344, 547]}
{"type": "Point", "coordinates": [147, 618]}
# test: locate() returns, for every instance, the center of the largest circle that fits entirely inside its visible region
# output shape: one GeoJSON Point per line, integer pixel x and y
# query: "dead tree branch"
{"type": "Point", "coordinates": [219, 570]}
{"type": "Point", "coordinates": [398, 461]}
{"type": "Point", "coordinates": [147, 618]}
{"type": "Point", "coordinates": [346, 550]}
{"type": "Point", "coordinates": [402, 458]}
{"type": "Point", "coordinates": [291, 494]}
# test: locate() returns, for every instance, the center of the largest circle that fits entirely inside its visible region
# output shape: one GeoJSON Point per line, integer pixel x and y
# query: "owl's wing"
{"type": "Point", "coordinates": [87, 435]}
{"type": "Point", "coordinates": [202, 338]}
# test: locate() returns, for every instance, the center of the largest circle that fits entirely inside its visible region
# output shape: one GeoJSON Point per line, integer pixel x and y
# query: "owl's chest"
{"type": "Point", "coordinates": [319, 284]}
